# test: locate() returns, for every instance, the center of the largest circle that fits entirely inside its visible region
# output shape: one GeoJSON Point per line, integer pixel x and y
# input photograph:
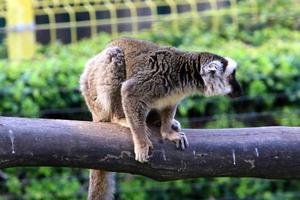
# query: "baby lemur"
{"type": "Point", "coordinates": [131, 77]}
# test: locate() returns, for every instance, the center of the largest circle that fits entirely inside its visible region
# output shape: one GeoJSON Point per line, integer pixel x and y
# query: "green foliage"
{"type": "Point", "coordinates": [206, 188]}
{"type": "Point", "coordinates": [268, 54]}
{"type": "Point", "coordinates": [45, 183]}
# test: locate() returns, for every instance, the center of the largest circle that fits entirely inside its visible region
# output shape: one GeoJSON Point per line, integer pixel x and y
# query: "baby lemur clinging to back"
{"type": "Point", "coordinates": [131, 77]}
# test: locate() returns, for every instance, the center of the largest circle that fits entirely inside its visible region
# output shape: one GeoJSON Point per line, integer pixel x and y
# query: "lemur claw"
{"type": "Point", "coordinates": [178, 138]}
{"type": "Point", "coordinates": [182, 142]}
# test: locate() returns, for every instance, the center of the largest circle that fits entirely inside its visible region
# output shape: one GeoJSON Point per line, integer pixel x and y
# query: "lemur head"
{"type": "Point", "coordinates": [218, 74]}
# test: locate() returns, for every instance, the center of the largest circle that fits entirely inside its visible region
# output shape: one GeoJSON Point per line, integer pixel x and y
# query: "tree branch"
{"type": "Point", "coordinates": [266, 152]}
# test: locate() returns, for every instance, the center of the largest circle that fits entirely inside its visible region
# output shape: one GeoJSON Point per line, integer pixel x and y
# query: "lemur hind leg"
{"type": "Point", "coordinates": [117, 73]}
{"type": "Point", "coordinates": [171, 129]}
{"type": "Point", "coordinates": [101, 82]}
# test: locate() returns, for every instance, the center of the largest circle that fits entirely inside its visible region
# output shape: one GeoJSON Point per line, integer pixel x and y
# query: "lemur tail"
{"type": "Point", "coordinates": [102, 185]}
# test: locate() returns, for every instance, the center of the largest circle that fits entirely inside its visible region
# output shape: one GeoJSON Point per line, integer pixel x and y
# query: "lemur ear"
{"type": "Point", "coordinates": [213, 67]}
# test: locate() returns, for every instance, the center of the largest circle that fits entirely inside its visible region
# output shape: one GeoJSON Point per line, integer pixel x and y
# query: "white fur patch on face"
{"type": "Point", "coordinates": [217, 89]}
{"type": "Point", "coordinates": [231, 66]}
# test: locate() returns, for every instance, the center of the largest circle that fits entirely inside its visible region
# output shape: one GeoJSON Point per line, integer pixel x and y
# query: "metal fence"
{"type": "Point", "coordinates": [27, 21]}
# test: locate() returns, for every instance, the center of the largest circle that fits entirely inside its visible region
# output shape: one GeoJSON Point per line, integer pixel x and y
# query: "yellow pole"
{"type": "Point", "coordinates": [20, 29]}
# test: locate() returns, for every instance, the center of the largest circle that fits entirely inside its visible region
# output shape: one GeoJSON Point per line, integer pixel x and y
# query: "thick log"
{"type": "Point", "coordinates": [265, 152]}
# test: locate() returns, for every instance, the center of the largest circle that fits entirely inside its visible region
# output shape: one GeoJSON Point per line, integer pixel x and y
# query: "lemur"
{"type": "Point", "coordinates": [132, 77]}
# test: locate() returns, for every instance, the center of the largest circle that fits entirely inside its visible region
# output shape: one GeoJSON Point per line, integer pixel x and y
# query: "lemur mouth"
{"type": "Point", "coordinates": [236, 89]}
{"type": "Point", "coordinates": [234, 94]}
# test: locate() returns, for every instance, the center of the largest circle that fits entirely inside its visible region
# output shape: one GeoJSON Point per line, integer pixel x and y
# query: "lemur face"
{"type": "Point", "coordinates": [219, 77]}
{"type": "Point", "coordinates": [229, 74]}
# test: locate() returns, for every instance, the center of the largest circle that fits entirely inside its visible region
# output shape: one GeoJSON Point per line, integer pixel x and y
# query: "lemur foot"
{"type": "Point", "coordinates": [141, 150]}
{"type": "Point", "coordinates": [178, 138]}
{"type": "Point", "coordinates": [176, 126]}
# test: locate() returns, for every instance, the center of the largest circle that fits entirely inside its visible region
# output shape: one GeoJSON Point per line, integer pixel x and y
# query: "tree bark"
{"type": "Point", "coordinates": [265, 152]}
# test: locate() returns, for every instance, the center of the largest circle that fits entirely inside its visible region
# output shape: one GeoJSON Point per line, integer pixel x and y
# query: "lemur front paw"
{"type": "Point", "coordinates": [142, 151]}
{"type": "Point", "coordinates": [178, 138]}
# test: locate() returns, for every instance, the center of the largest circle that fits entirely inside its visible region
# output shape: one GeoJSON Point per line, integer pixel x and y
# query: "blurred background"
{"type": "Point", "coordinates": [45, 44]}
